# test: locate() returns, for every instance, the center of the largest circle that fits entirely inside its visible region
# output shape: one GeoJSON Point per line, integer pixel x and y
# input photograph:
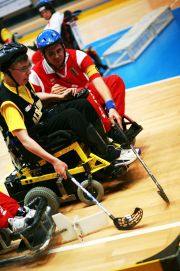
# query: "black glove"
{"type": "Point", "coordinates": [83, 93]}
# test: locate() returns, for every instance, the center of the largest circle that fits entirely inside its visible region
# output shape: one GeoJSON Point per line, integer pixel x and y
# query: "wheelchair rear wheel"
{"type": "Point", "coordinates": [41, 191]}
{"type": "Point", "coordinates": [94, 187]}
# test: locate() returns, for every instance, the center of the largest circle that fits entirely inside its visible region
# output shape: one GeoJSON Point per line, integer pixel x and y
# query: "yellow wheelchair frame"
{"type": "Point", "coordinates": [37, 179]}
{"type": "Point", "coordinates": [23, 184]}
{"type": "Point", "coordinates": [91, 162]}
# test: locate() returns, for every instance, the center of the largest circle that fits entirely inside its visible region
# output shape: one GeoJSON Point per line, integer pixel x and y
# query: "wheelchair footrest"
{"type": "Point", "coordinates": [67, 198]}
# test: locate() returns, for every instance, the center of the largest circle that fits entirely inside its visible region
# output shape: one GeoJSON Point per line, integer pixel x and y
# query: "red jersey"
{"type": "Point", "coordinates": [73, 74]}
{"type": "Point", "coordinates": [8, 209]}
{"type": "Point", "coordinates": [78, 72]}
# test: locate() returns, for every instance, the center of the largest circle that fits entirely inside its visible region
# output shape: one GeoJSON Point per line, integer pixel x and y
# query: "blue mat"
{"type": "Point", "coordinates": [160, 60]}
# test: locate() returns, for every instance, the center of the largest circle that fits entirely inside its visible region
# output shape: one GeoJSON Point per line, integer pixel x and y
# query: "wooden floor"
{"type": "Point", "coordinates": [156, 108]}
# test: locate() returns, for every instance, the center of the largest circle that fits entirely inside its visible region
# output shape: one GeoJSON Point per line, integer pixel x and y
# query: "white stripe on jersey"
{"type": "Point", "coordinates": [34, 79]}
{"type": "Point", "coordinates": [80, 55]}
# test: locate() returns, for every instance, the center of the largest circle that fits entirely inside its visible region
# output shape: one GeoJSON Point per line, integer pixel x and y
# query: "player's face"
{"type": "Point", "coordinates": [21, 71]}
{"type": "Point", "coordinates": [55, 56]}
{"type": "Point", "coordinates": [46, 14]}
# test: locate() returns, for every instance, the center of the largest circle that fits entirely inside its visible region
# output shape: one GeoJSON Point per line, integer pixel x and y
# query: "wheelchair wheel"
{"type": "Point", "coordinates": [45, 192]}
{"type": "Point", "coordinates": [94, 187]}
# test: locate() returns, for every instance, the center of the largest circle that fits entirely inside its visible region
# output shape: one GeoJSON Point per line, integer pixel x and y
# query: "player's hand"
{"type": "Point", "coordinates": [60, 168]}
{"type": "Point", "coordinates": [114, 116]}
{"type": "Point", "coordinates": [57, 89]}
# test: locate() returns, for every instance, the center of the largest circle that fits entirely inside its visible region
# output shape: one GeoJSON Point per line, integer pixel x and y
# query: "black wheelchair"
{"type": "Point", "coordinates": [31, 241]}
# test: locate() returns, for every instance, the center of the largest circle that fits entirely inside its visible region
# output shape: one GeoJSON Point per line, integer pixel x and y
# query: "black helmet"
{"type": "Point", "coordinates": [44, 4]}
{"type": "Point", "coordinates": [9, 53]}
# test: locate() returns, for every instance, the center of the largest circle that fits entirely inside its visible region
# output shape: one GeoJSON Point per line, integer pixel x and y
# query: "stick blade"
{"type": "Point", "coordinates": [127, 223]}
{"type": "Point", "coordinates": [164, 196]}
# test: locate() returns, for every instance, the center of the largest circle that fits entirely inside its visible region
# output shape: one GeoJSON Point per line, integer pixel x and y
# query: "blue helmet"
{"type": "Point", "coordinates": [48, 37]}
{"type": "Point", "coordinates": [44, 4]}
{"type": "Point", "coordinates": [41, 2]}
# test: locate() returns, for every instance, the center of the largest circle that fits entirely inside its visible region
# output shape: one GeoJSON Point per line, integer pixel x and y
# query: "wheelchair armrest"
{"type": "Point", "coordinates": [64, 134]}
{"type": "Point", "coordinates": [58, 139]}
{"type": "Point", "coordinates": [38, 132]}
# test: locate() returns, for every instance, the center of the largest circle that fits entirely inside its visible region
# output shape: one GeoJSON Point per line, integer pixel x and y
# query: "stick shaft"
{"type": "Point", "coordinates": [146, 168]}
{"type": "Point", "coordinates": [89, 195]}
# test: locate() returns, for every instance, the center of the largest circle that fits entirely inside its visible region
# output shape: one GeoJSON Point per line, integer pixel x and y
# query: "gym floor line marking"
{"type": "Point", "coordinates": [153, 83]}
{"type": "Point", "coordinates": [115, 238]}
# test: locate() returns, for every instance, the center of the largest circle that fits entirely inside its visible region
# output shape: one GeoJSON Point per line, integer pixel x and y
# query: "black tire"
{"type": "Point", "coordinates": [41, 191]}
{"type": "Point", "coordinates": [94, 187]}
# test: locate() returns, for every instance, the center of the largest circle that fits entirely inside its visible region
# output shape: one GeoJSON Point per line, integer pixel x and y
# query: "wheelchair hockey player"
{"type": "Point", "coordinates": [21, 109]}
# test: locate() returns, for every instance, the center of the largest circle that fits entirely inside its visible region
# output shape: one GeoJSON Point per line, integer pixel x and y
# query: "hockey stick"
{"type": "Point", "coordinates": [160, 191]}
{"type": "Point", "coordinates": [121, 223]}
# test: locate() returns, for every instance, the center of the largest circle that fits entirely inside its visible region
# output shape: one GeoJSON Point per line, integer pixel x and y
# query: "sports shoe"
{"type": "Point", "coordinates": [126, 157]}
{"type": "Point", "coordinates": [20, 222]}
{"type": "Point", "coordinates": [22, 211]}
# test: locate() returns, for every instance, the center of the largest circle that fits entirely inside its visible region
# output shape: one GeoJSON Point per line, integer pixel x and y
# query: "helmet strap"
{"type": "Point", "coordinates": [13, 79]}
